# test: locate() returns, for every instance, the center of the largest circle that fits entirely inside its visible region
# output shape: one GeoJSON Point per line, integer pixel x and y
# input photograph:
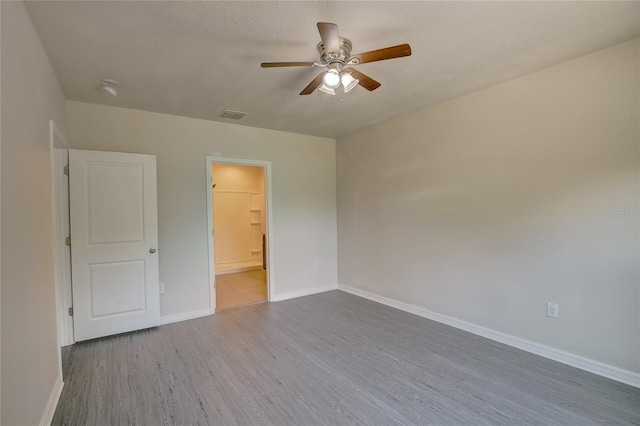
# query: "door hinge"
{"type": "Point", "coordinates": [67, 241]}
{"type": "Point", "coordinates": [66, 170]}
{"type": "Point", "coordinates": [71, 311]}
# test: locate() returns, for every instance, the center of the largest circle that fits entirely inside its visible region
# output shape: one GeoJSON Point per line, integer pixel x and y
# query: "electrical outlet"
{"type": "Point", "coordinates": [161, 288]}
{"type": "Point", "coordinates": [552, 310]}
{"type": "Point", "coordinates": [316, 266]}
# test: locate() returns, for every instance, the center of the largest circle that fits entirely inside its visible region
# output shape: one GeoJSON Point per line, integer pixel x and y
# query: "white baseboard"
{"type": "Point", "coordinates": [586, 364]}
{"type": "Point", "coordinates": [185, 316]}
{"type": "Point", "coordinates": [305, 292]}
{"type": "Point", "coordinates": [52, 403]}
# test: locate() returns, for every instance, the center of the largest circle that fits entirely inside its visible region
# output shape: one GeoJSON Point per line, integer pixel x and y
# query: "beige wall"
{"type": "Point", "coordinates": [304, 194]}
{"type": "Point", "coordinates": [234, 177]}
{"type": "Point", "coordinates": [237, 227]}
{"type": "Point", "coordinates": [31, 96]}
{"type": "Point", "coordinates": [485, 207]}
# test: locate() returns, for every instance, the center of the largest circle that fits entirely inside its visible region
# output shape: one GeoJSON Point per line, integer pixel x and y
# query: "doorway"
{"type": "Point", "coordinates": [240, 222]}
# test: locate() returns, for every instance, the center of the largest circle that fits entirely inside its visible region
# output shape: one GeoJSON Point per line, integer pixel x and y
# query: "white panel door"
{"type": "Point", "coordinates": [114, 240]}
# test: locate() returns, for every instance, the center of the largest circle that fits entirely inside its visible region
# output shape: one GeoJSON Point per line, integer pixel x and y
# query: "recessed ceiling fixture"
{"type": "Point", "coordinates": [234, 115]}
{"type": "Point", "coordinates": [109, 87]}
{"type": "Point", "coordinates": [335, 54]}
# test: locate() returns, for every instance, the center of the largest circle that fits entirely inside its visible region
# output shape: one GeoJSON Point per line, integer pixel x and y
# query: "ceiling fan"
{"type": "Point", "coordinates": [335, 55]}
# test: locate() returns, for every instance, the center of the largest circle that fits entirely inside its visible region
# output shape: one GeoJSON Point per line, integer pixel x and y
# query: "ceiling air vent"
{"type": "Point", "coordinates": [234, 115]}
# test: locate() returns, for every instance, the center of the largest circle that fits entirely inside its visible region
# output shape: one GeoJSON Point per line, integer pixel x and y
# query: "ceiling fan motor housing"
{"type": "Point", "coordinates": [331, 57]}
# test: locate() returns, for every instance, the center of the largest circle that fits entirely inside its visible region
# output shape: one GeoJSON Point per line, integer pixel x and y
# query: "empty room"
{"type": "Point", "coordinates": [319, 212]}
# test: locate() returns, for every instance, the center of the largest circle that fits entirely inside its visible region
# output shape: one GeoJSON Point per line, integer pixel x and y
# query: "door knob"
{"type": "Point", "coordinates": [152, 250]}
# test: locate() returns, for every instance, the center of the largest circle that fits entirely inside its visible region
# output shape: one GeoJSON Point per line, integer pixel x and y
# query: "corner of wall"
{"type": "Point", "coordinates": [52, 402]}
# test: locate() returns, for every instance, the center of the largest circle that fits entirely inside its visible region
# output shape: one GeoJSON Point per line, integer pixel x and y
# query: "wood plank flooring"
{"type": "Point", "coordinates": [327, 359]}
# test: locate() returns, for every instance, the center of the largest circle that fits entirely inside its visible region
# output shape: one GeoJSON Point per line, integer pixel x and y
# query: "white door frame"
{"type": "Point", "coordinates": [59, 157]}
{"type": "Point", "coordinates": [268, 202]}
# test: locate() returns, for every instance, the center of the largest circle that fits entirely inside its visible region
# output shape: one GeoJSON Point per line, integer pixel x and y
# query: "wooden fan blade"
{"type": "Point", "coordinates": [363, 79]}
{"type": "Point", "coordinates": [313, 85]}
{"type": "Point", "coordinates": [330, 38]}
{"type": "Point", "coordinates": [382, 54]}
{"type": "Point", "coordinates": [285, 64]}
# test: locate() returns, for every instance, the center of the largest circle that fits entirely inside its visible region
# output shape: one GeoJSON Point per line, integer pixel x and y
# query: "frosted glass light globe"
{"type": "Point", "coordinates": [331, 79]}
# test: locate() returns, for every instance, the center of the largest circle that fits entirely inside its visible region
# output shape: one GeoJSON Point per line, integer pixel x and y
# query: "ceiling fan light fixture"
{"type": "Point", "coordinates": [331, 79]}
{"type": "Point", "coordinates": [335, 54]}
{"type": "Point", "coordinates": [348, 81]}
{"type": "Point", "coordinates": [326, 89]}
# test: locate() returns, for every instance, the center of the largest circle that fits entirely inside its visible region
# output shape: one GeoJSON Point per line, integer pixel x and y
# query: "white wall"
{"type": "Point", "coordinates": [304, 194]}
{"type": "Point", "coordinates": [31, 96]}
{"type": "Point", "coordinates": [485, 207]}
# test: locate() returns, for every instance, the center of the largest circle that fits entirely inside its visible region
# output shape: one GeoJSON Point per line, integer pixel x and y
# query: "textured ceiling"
{"type": "Point", "coordinates": [197, 58]}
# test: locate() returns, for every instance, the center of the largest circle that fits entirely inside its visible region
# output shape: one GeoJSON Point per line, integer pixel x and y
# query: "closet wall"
{"type": "Point", "coordinates": [238, 216]}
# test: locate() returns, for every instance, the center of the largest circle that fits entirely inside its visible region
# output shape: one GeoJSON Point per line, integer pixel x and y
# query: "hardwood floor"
{"type": "Point", "coordinates": [327, 359]}
{"type": "Point", "coordinates": [242, 288]}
